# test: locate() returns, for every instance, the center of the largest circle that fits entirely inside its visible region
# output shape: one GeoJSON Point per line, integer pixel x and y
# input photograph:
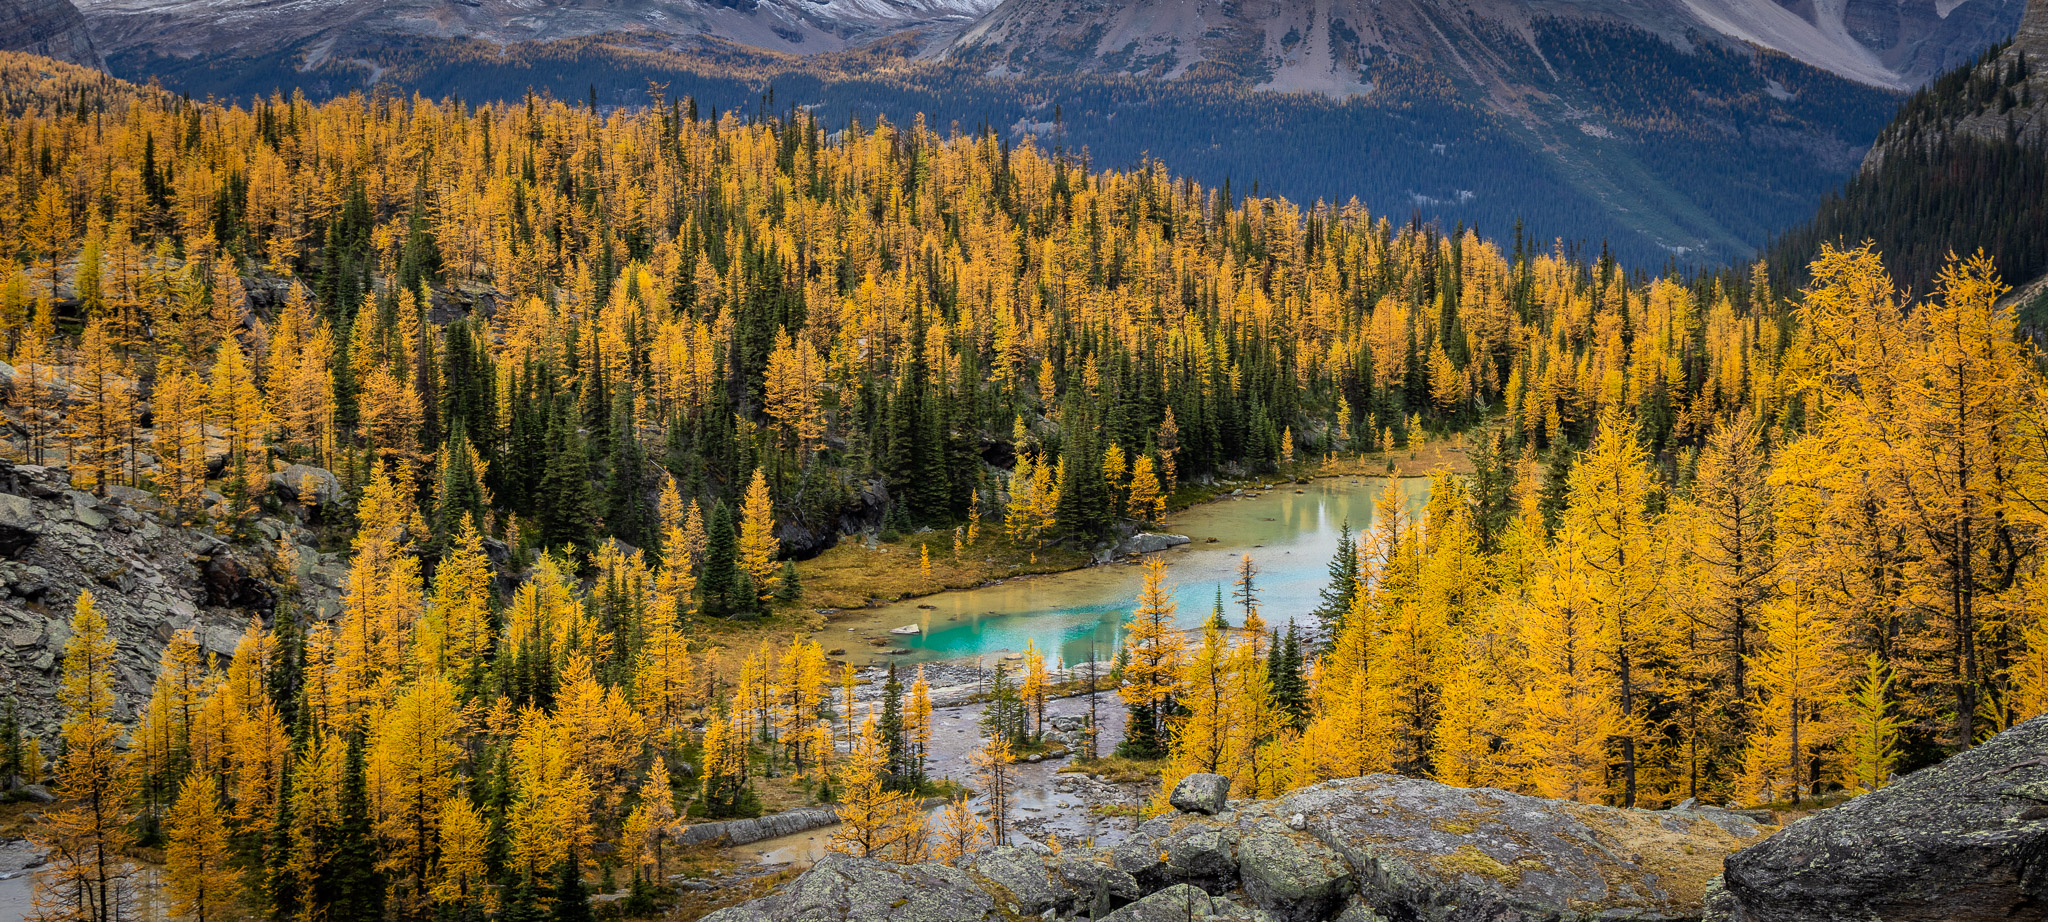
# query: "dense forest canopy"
{"type": "Point", "coordinates": [1715, 543]}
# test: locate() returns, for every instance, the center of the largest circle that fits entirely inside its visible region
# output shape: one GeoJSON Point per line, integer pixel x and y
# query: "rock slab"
{"type": "Point", "coordinates": [1961, 841]}
{"type": "Point", "coordinates": [1359, 850]}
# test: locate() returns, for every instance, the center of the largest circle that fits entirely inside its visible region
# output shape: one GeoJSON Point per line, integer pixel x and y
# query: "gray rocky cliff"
{"type": "Point", "coordinates": [51, 28]}
{"type": "Point", "coordinates": [150, 579]}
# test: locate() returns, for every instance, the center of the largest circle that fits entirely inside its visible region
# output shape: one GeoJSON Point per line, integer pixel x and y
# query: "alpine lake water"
{"type": "Point", "coordinates": [1291, 532]}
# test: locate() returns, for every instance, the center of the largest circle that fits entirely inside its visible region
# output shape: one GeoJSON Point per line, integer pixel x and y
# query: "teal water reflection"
{"type": "Point", "coordinates": [1290, 536]}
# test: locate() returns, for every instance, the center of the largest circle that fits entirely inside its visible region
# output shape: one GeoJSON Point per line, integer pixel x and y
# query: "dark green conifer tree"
{"type": "Point", "coordinates": [572, 899]}
{"type": "Point", "coordinates": [890, 728]}
{"type": "Point", "coordinates": [350, 888]}
{"type": "Point", "coordinates": [627, 513]}
{"type": "Point", "coordinates": [721, 580]}
{"type": "Point", "coordinates": [1343, 584]}
{"type": "Point", "coordinates": [567, 519]}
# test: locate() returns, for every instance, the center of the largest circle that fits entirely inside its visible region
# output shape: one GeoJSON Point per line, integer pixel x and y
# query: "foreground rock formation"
{"type": "Point", "coordinates": [1361, 849]}
{"type": "Point", "coordinates": [1964, 840]}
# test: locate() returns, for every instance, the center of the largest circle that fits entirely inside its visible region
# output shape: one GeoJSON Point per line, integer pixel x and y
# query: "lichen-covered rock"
{"type": "Point", "coordinates": [1184, 903]}
{"type": "Point", "coordinates": [1964, 840]}
{"type": "Point", "coordinates": [1202, 852]}
{"type": "Point", "coordinates": [841, 888]}
{"type": "Point", "coordinates": [1357, 850]}
{"type": "Point", "coordinates": [1201, 793]}
{"type": "Point", "coordinates": [1421, 850]}
{"type": "Point", "coordinates": [1098, 884]}
{"type": "Point", "coordinates": [1290, 874]}
{"type": "Point", "coordinates": [1025, 874]}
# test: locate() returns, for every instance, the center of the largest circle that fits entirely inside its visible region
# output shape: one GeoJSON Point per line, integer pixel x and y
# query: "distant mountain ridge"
{"type": "Point", "coordinates": [1330, 45]}
{"type": "Point", "coordinates": [185, 28]}
{"type": "Point", "coordinates": [1326, 46]}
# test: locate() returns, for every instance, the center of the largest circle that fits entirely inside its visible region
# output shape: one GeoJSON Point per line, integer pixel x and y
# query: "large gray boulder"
{"type": "Point", "coordinates": [294, 482]}
{"type": "Point", "coordinates": [1294, 876]}
{"type": "Point", "coordinates": [1200, 793]}
{"type": "Point", "coordinates": [1146, 542]}
{"type": "Point", "coordinates": [1026, 875]}
{"type": "Point", "coordinates": [1964, 840]}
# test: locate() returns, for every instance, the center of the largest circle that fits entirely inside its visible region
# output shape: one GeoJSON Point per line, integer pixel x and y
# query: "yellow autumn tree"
{"type": "Point", "coordinates": [103, 414]}
{"type": "Point", "coordinates": [179, 408]}
{"type": "Point", "coordinates": [1146, 504]}
{"type": "Point", "coordinates": [757, 536]}
{"type": "Point", "coordinates": [86, 832]}
{"type": "Point", "coordinates": [1798, 676]}
{"type": "Point", "coordinates": [1156, 650]}
{"type": "Point", "coordinates": [199, 870]}
{"type": "Point", "coordinates": [874, 821]}
{"type": "Point", "coordinates": [454, 634]}
{"type": "Point", "coordinates": [960, 833]}
{"type": "Point", "coordinates": [462, 862]}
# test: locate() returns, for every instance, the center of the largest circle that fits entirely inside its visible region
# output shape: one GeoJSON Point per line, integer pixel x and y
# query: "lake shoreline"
{"type": "Point", "coordinates": [1272, 518]}
{"type": "Point", "coordinates": [1237, 489]}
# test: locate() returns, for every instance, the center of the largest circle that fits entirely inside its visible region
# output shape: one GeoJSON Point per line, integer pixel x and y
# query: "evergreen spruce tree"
{"type": "Point", "coordinates": [789, 588]}
{"type": "Point", "coordinates": [1556, 494]}
{"type": "Point", "coordinates": [1003, 717]}
{"type": "Point", "coordinates": [566, 507]}
{"type": "Point", "coordinates": [1284, 676]}
{"type": "Point", "coordinates": [572, 899]}
{"type": "Point", "coordinates": [462, 494]}
{"type": "Point", "coordinates": [1343, 585]}
{"type": "Point", "coordinates": [627, 513]}
{"type": "Point", "coordinates": [522, 904]}
{"type": "Point", "coordinates": [721, 584]}
{"type": "Point", "coordinates": [1492, 483]}
{"type": "Point", "coordinates": [890, 729]}
{"type": "Point", "coordinates": [350, 888]}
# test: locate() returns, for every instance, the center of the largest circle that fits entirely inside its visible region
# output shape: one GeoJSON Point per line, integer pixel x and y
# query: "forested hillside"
{"type": "Point", "coordinates": [1716, 543]}
{"type": "Point", "coordinates": [1963, 167]}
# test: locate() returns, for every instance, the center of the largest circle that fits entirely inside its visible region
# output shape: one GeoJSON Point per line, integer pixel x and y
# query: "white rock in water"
{"type": "Point", "coordinates": [906, 629]}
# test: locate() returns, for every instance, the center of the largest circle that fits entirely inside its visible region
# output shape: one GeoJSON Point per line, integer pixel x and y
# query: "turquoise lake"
{"type": "Point", "coordinates": [1291, 532]}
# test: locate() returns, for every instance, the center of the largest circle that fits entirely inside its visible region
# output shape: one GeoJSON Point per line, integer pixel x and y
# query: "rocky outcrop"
{"type": "Point", "coordinates": [747, 831]}
{"type": "Point", "coordinates": [1962, 841]}
{"type": "Point", "coordinates": [151, 580]}
{"type": "Point", "coordinates": [1146, 542]}
{"type": "Point", "coordinates": [1360, 850]}
{"type": "Point", "coordinates": [51, 28]}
